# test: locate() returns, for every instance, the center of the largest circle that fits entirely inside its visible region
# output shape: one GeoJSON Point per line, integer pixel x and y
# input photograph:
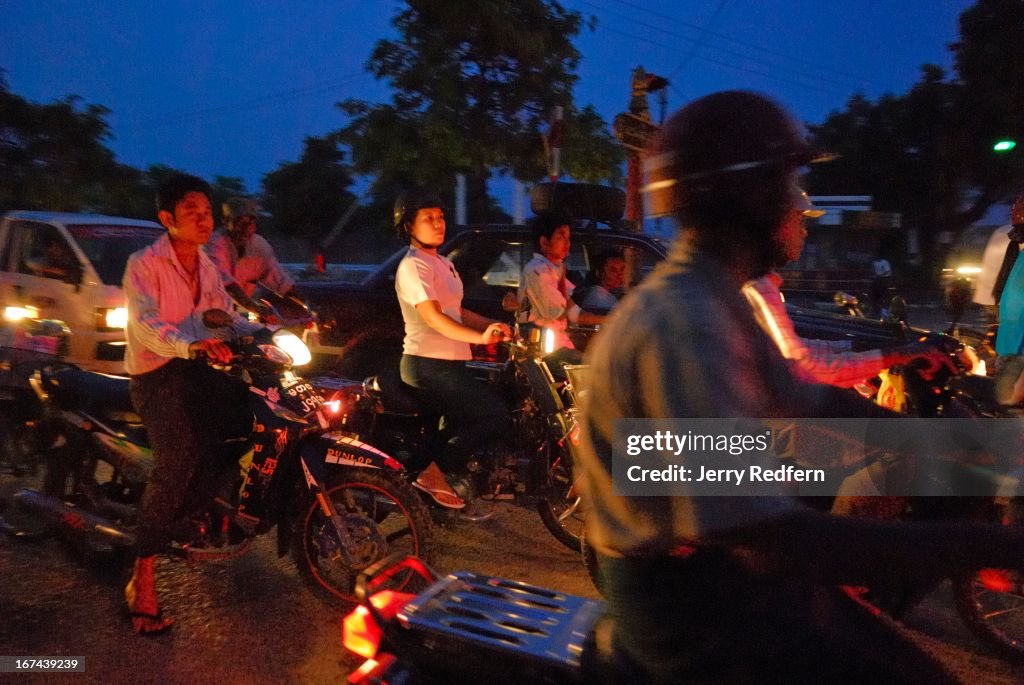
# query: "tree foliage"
{"type": "Point", "coordinates": [928, 153]}
{"type": "Point", "coordinates": [475, 84]}
{"type": "Point", "coordinates": [306, 198]}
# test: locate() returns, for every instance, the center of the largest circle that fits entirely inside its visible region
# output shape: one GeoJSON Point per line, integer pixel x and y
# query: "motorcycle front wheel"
{"type": "Point", "coordinates": [559, 505]}
{"type": "Point", "coordinates": [383, 515]}
{"type": "Point", "coordinates": [991, 603]}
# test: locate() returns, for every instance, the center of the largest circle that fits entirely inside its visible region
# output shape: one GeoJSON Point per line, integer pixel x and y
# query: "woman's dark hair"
{"type": "Point", "coordinates": [726, 161]}
{"type": "Point", "coordinates": [175, 187]}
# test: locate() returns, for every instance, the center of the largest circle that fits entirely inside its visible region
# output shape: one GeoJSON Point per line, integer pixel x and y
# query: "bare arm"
{"type": "Point", "coordinates": [431, 312]}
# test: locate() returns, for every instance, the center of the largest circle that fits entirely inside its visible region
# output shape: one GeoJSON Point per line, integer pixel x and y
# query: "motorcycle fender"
{"type": "Point", "coordinates": [337, 449]}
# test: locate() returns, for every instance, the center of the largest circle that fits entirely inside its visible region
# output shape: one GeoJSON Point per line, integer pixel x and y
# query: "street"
{"type": "Point", "coordinates": [250, 620]}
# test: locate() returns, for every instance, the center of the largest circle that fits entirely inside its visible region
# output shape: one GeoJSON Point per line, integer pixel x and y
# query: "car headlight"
{"type": "Point", "coordinates": [111, 318]}
{"type": "Point", "coordinates": [968, 270]}
{"type": "Point", "coordinates": [19, 313]}
{"type": "Point", "coordinates": [293, 346]}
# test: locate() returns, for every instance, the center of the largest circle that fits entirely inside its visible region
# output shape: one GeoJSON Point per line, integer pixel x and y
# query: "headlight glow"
{"type": "Point", "coordinates": [293, 346]}
{"type": "Point", "coordinates": [116, 317]}
{"type": "Point", "coordinates": [968, 270]}
{"type": "Point", "coordinates": [549, 341]}
{"type": "Point", "coordinates": [19, 313]}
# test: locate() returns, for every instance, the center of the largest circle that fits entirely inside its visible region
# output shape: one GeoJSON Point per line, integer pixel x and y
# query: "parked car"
{"type": "Point", "coordinates": [69, 267]}
{"type": "Point", "coordinates": [361, 323]}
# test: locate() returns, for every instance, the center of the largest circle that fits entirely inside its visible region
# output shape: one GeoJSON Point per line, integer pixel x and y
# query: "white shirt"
{"type": "Point", "coordinates": [544, 298]}
{"type": "Point", "coordinates": [257, 265]}
{"type": "Point", "coordinates": [163, 320]}
{"type": "Point", "coordinates": [424, 276]}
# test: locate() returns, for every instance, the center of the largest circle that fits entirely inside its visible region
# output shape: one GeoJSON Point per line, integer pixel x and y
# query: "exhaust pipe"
{"type": "Point", "coordinates": [71, 517]}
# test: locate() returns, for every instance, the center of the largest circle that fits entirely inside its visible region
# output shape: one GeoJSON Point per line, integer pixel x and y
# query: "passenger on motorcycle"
{"type": "Point", "coordinates": [832, 362]}
{"type": "Point", "coordinates": [185, 405]}
{"type": "Point", "coordinates": [736, 589]}
{"type": "Point", "coordinates": [245, 259]}
{"type": "Point", "coordinates": [438, 332]}
{"type": "Point", "coordinates": [545, 293]}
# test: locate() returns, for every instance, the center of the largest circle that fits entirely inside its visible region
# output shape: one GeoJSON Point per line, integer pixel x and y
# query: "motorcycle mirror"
{"type": "Point", "coordinates": [216, 318]}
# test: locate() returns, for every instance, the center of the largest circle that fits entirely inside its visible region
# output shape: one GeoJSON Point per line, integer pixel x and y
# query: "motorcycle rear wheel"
{"type": "Point", "coordinates": [384, 516]}
{"type": "Point", "coordinates": [994, 614]}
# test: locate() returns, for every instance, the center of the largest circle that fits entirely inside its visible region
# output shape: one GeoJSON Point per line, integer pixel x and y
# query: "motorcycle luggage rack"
{"type": "Point", "coordinates": [514, 628]}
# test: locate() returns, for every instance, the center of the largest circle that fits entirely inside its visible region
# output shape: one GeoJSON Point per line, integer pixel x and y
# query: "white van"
{"type": "Point", "coordinates": [69, 267]}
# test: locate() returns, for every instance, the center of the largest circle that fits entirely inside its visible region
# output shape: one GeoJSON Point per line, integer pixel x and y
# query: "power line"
{"type": "Point", "coordinates": [729, 65]}
{"type": "Point", "coordinates": [758, 48]}
{"type": "Point", "coordinates": [703, 33]}
{"type": "Point", "coordinates": [701, 40]}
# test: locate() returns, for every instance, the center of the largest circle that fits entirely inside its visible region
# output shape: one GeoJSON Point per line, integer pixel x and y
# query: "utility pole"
{"type": "Point", "coordinates": [634, 131]}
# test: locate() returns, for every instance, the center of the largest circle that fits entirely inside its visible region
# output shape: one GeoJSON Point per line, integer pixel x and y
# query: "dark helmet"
{"type": "Point", "coordinates": [708, 144]}
{"type": "Point", "coordinates": [411, 201]}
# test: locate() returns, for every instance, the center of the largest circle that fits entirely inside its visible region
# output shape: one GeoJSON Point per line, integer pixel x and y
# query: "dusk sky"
{"type": "Point", "coordinates": [232, 87]}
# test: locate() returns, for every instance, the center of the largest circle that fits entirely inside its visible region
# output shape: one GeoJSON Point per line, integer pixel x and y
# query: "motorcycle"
{"type": "Point", "coordinates": [26, 344]}
{"type": "Point", "coordinates": [466, 625]}
{"type": "Point", "coordinates": [536, 466]}
{"type": "Point", "coordinates": [339, 505]}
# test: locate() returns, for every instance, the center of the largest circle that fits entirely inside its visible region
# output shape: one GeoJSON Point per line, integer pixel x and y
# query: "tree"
{"type": "Point", "coordinates": [475, 84]}
{"type": "Point", "coordinates": [306, 198]}
{"type": "Point", "coordinates": [53, 156]}
{"type": "Point", "coordinates": [928, 154]}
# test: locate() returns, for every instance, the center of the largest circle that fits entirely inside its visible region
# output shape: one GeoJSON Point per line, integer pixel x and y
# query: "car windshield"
{"type": "Point", "coordinates": [108, 247]}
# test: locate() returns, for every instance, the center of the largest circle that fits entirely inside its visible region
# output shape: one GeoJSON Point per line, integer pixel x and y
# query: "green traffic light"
{"type": "Point", "coordinates": [1004, 145]}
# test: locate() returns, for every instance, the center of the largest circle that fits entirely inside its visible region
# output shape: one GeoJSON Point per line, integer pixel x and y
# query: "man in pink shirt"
{"type": "Point", "coordinates": [832, 362]}
{"type": "Point", "coordinates": [186, 406]}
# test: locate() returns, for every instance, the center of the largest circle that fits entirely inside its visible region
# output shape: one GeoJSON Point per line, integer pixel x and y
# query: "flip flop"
{"type": "Point", "coordinates": [444, 498]}
{"type": "Point", "coordinates": [158, 616]}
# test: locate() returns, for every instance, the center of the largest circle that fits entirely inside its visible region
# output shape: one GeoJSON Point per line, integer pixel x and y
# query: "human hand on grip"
{"type": "Point", "coordinates": [496, 332]}
{"type": "Point", "coordinates": [934, 356]}
{"type": "Point", "coordinates": [212, 349]}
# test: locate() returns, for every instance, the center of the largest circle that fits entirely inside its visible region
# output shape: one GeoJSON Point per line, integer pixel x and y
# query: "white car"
{"type": "Point", "coordinates": [69, 267]}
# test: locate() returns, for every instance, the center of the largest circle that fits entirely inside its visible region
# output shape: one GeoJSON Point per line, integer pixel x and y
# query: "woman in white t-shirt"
{"type": "Point", "coordinates": [438, 332]}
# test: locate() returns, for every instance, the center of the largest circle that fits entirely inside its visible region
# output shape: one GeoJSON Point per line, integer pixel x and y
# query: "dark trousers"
{"type": "Point", "coordinates": [475, 416]}
{"type": "Point", "coordinates": [707, 619]}
{"type": "Point", "coordinates": [188, 410]}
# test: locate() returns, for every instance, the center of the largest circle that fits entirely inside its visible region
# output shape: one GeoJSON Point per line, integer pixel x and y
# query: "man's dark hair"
{"type": "Point", "coordinates": [175, 187]}
{"type": "Point", "coordinates": [726, 160]}
{"type": "Point", "coordinates": [544, 224]}
{"type": "Point", "coordinates": [601, 258]}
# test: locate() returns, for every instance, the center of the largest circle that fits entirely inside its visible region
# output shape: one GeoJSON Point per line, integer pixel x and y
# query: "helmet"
{"type": "Point", "coordinates": [236, 207]}
{"type": "Point", "coordinates": [711, 140]}
{"type": "Point", "coordinates": [411, 201]}
{"type": "Point", "coordinates": [1017, 213]}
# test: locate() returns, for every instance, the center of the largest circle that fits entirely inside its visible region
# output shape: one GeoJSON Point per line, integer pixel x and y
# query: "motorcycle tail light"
{"type": "Point", "coordinates": [360, 633]}
{"type": "Point", "coordinates": [996, 580]}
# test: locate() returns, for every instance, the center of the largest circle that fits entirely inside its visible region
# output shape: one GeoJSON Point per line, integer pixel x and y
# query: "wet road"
{"type": "Point", "coordinates": [250, 620]}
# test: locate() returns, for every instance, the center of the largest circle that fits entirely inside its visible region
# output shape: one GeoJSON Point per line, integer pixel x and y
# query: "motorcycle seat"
{"type": "Point", "coordinates": [71, 387]}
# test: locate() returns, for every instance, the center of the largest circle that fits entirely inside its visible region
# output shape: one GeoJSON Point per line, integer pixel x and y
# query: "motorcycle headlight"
{"type": "Point", "coordinates": [293, 346]}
